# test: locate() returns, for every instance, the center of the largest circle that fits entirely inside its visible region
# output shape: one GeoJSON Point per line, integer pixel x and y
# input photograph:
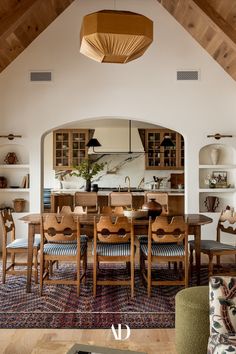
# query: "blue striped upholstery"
{"type": "Point", "coordinates": [114, 249]}
{"type": "Point", "coordinates": [63, 249]}
{"type": "Point", "coordinates": [165, 249]}
{"type": "Point", "coordinates": [23, 243]}
{"type": "Point", "coordinates": [143, 238]}
{"type": "Point", "coordinates": [211, 245]}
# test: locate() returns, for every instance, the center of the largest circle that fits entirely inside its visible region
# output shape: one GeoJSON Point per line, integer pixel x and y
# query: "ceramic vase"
{"type": "Point", "coordinates": [215, 155]}
{"type": "Point", "coordinates": [88, 185]}
{"type": "Point", "coordinates": [211, 203]}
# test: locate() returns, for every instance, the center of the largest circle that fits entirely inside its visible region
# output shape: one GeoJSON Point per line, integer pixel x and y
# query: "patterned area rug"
{"type": "Point", "coordinates": [60, 307]}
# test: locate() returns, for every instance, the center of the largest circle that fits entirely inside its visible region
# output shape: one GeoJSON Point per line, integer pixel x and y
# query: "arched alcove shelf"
{"type": "Point", "coordinates": [217, 164]}
{"type": "Point", "coordinates": [16, 176]}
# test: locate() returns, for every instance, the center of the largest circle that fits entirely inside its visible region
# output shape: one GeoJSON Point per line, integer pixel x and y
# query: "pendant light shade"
{"type": "Point", "coordinates": [167, 142]}
{"type": "Point", "coordinates": [111, 36]}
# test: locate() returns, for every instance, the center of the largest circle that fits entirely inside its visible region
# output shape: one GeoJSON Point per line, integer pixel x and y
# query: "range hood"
{"type": "Point", "coordinates": [117, 140]}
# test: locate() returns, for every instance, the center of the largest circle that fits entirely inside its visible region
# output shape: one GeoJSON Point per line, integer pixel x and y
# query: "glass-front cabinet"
{"type": "Point", "coordinates": [160, 157]}
{"type": "Point", "coordinates": [69, 147]}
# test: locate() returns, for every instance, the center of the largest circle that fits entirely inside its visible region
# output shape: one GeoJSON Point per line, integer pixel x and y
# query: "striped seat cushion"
{"type": "Point", "coordinates": [211, 245]}
{"type": "Point", "coordinates": [163, 250]}
{"type": "Point", "coordinates": [23, 243]}
{"type": "Point", "coordinates": [83, 238]}
{"type": "Point", "coordinates": [114, 249]}
{"type": "Point", "coordinates": [63, 249]}
{"type": "Point", "coordinates": [143, 238]}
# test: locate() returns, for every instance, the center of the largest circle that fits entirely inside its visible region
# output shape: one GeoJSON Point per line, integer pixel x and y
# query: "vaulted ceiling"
{"type": "Point", "coordinates": [211, 22]}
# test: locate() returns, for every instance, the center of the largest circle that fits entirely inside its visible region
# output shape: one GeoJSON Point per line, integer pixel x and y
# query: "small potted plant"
{"type": "Point", "coordinates": [87, 169]}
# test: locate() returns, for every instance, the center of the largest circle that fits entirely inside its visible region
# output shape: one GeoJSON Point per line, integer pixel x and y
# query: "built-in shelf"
{"type": "Point", "coordinates": [225, 162]}
{"type": "Point", "coordinates": [217, 167]}
{"type": "Point", "coordinates": [15, 190]}
{"type": "Point", "coordinates": [217, 190]}
{"type": "Point", "coordinates": [15, 166]}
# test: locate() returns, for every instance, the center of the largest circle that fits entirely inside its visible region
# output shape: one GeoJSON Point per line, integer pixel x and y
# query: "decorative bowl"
{"type": "Point", "coordinates": [136, 213]}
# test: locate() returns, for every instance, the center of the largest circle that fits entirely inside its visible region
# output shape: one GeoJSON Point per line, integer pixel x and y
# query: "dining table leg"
{"type": "Point", "coordinates": [31, 234]}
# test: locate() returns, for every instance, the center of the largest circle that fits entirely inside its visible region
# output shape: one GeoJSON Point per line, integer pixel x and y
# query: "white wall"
{"type": "Point", "coordinates": [144, 89]}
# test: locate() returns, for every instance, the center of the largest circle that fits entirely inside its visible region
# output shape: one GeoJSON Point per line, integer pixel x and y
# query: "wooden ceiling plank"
{"type": "Point", "coordinates": [223, 7]}
{"type": "Point", "coordinates": [216, 21]}
{"type": "Point", "coordinates": [14, 18]}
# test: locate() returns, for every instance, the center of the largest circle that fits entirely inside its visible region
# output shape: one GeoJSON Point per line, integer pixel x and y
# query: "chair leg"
{"type": "Point", "coordinates": [4, 265]}
{"type": "Point", "coordinates": [210, 265]}
{"type": "Point", "coordinates": [84, 265]}
{"type": "Point", "coordinates": [78, 277]}
{"type": "Point", "coordinates": [41, 275]}
{"type": "Point", "coordinates": [132, 277]}
{"type": "Point", "coordinates": [149, 278]}
{"type": "Point", "coordinates": [13, 260]}
{"type": "Point", "coordinates": [36, 266]}
{"type": "Point", "coordinates": [191, 261]}
{"type": "Point", "coordinates": [95, 277]}
{"type": "Point", "coordinates": [186, 275]}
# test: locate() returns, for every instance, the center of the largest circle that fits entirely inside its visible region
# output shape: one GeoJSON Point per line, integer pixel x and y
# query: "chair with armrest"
{"type": "Point", "coordinates": [16, 246]}
{"type": "Point", "coordinates": [63, 244]}
{"type": "Point", "coordinates": [167, 242]}
{"type": "Point", "coordinates": [113, 242]}
{"type": "Point", "coordinates": [108, 210]}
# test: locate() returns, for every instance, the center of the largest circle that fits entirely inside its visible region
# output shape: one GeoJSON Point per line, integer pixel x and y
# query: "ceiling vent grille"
{"type": "Point", "coordinates": [40, 76]}
{"type": "Point", "coordinates": [187, 75]}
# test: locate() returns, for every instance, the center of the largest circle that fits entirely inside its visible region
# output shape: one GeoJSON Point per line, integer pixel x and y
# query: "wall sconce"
{"type": "Point", "coordinates": [218, 136]}
{"type": "Point", "coordinates": [10, 136]}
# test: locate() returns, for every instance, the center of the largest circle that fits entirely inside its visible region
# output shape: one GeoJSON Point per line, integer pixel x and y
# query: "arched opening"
{"type": "Point", "coordinates": [149, 165]}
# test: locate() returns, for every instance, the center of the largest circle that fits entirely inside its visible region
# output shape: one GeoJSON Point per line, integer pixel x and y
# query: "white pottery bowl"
{"type": "Point", "coordinates": [136, 213]}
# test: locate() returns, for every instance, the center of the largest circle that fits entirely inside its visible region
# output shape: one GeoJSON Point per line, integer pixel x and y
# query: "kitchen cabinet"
{"type": "Point", "coordinates": [160, 157]}
{"type": "Point", "coordinates": [69, 148]}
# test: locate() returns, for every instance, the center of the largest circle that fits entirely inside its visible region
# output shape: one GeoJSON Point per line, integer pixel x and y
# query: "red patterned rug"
{"type": "Point", "coordinates": [60, 307]}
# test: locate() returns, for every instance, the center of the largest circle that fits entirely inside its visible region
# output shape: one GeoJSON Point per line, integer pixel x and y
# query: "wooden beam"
{"type": "Point", "coordinates": [216, 20]}
{"type": "Point", "coordinates": [10, 21]}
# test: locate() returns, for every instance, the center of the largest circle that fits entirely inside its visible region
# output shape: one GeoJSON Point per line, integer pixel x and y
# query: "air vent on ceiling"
{"type": "Point", "coordinates": [40, 76]}
{"type": "Point", "coordinates": [187, 75]}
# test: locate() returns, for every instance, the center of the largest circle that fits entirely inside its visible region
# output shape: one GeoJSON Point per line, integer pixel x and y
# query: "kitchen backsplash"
{"type": "Point", "coordinates": [117, 167]}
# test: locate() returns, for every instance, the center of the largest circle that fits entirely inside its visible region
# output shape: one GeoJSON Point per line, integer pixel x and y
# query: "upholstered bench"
{"type": "Point", "coordinates": [192, 320]}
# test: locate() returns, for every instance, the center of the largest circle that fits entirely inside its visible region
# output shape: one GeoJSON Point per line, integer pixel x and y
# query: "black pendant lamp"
{"type": "Point", "coordinates": [167, 142]}
{"type": "Point", "coordinates": [93, 143]}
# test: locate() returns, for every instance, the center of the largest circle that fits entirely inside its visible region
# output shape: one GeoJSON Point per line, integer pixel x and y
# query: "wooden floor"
{"type": "Point", "coordinates": [37, 341]}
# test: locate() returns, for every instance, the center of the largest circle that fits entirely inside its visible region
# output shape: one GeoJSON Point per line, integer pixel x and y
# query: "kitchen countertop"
{"type": "Point", "coordinates": [105, 192]}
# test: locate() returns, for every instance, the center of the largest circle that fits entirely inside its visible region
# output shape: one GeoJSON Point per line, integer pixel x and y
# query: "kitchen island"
{"type": "Point", "coordinates": [61, 197]}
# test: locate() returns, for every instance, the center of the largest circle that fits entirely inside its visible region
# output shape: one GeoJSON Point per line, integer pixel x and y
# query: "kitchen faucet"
{"type": "Point", "coordinates": [127, 178]}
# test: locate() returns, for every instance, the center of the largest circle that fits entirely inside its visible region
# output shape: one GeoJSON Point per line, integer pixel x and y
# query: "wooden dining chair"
{"type": "Point", "coordinates": [16, 246]}
{"type": "Point", "coordinates": [113, 242]}
{"type": "Point", "coordinates": [161, 198]}
{"type": "Point", "coordinates": [167, 242]}
{"type": "Point", "coordinates": [66, 209]}
{"type": "Point", "coordinates": [87, 199]}
{"type": "Point", "coordinates": [116, 199]}
{"type": "Point", "coordinates": [116, 211]}
{"type": "Point", "coordinates": [216, 248]}
{"type": "Point", "coordinates": [60, 246]}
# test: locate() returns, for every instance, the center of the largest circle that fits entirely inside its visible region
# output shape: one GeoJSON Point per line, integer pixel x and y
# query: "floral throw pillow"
{"type": "Point", "coordinates": [222, 344]}
{"type": "Point", "coordinates": [222, 305]}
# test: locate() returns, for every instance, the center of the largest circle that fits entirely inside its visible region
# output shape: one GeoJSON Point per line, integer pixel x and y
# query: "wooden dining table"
{"type": "Point", "coordinates": [194, 221]}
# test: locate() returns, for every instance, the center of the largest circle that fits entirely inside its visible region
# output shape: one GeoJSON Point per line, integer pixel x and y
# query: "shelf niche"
{"type": "Point", "coordinates": [14, 173]}
{"type": "Point", "coordinates": [226, 162]}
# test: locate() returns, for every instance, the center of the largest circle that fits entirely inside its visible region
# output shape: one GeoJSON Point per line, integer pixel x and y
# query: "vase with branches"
{"type": "Point", "coordinates": [87, 169]}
